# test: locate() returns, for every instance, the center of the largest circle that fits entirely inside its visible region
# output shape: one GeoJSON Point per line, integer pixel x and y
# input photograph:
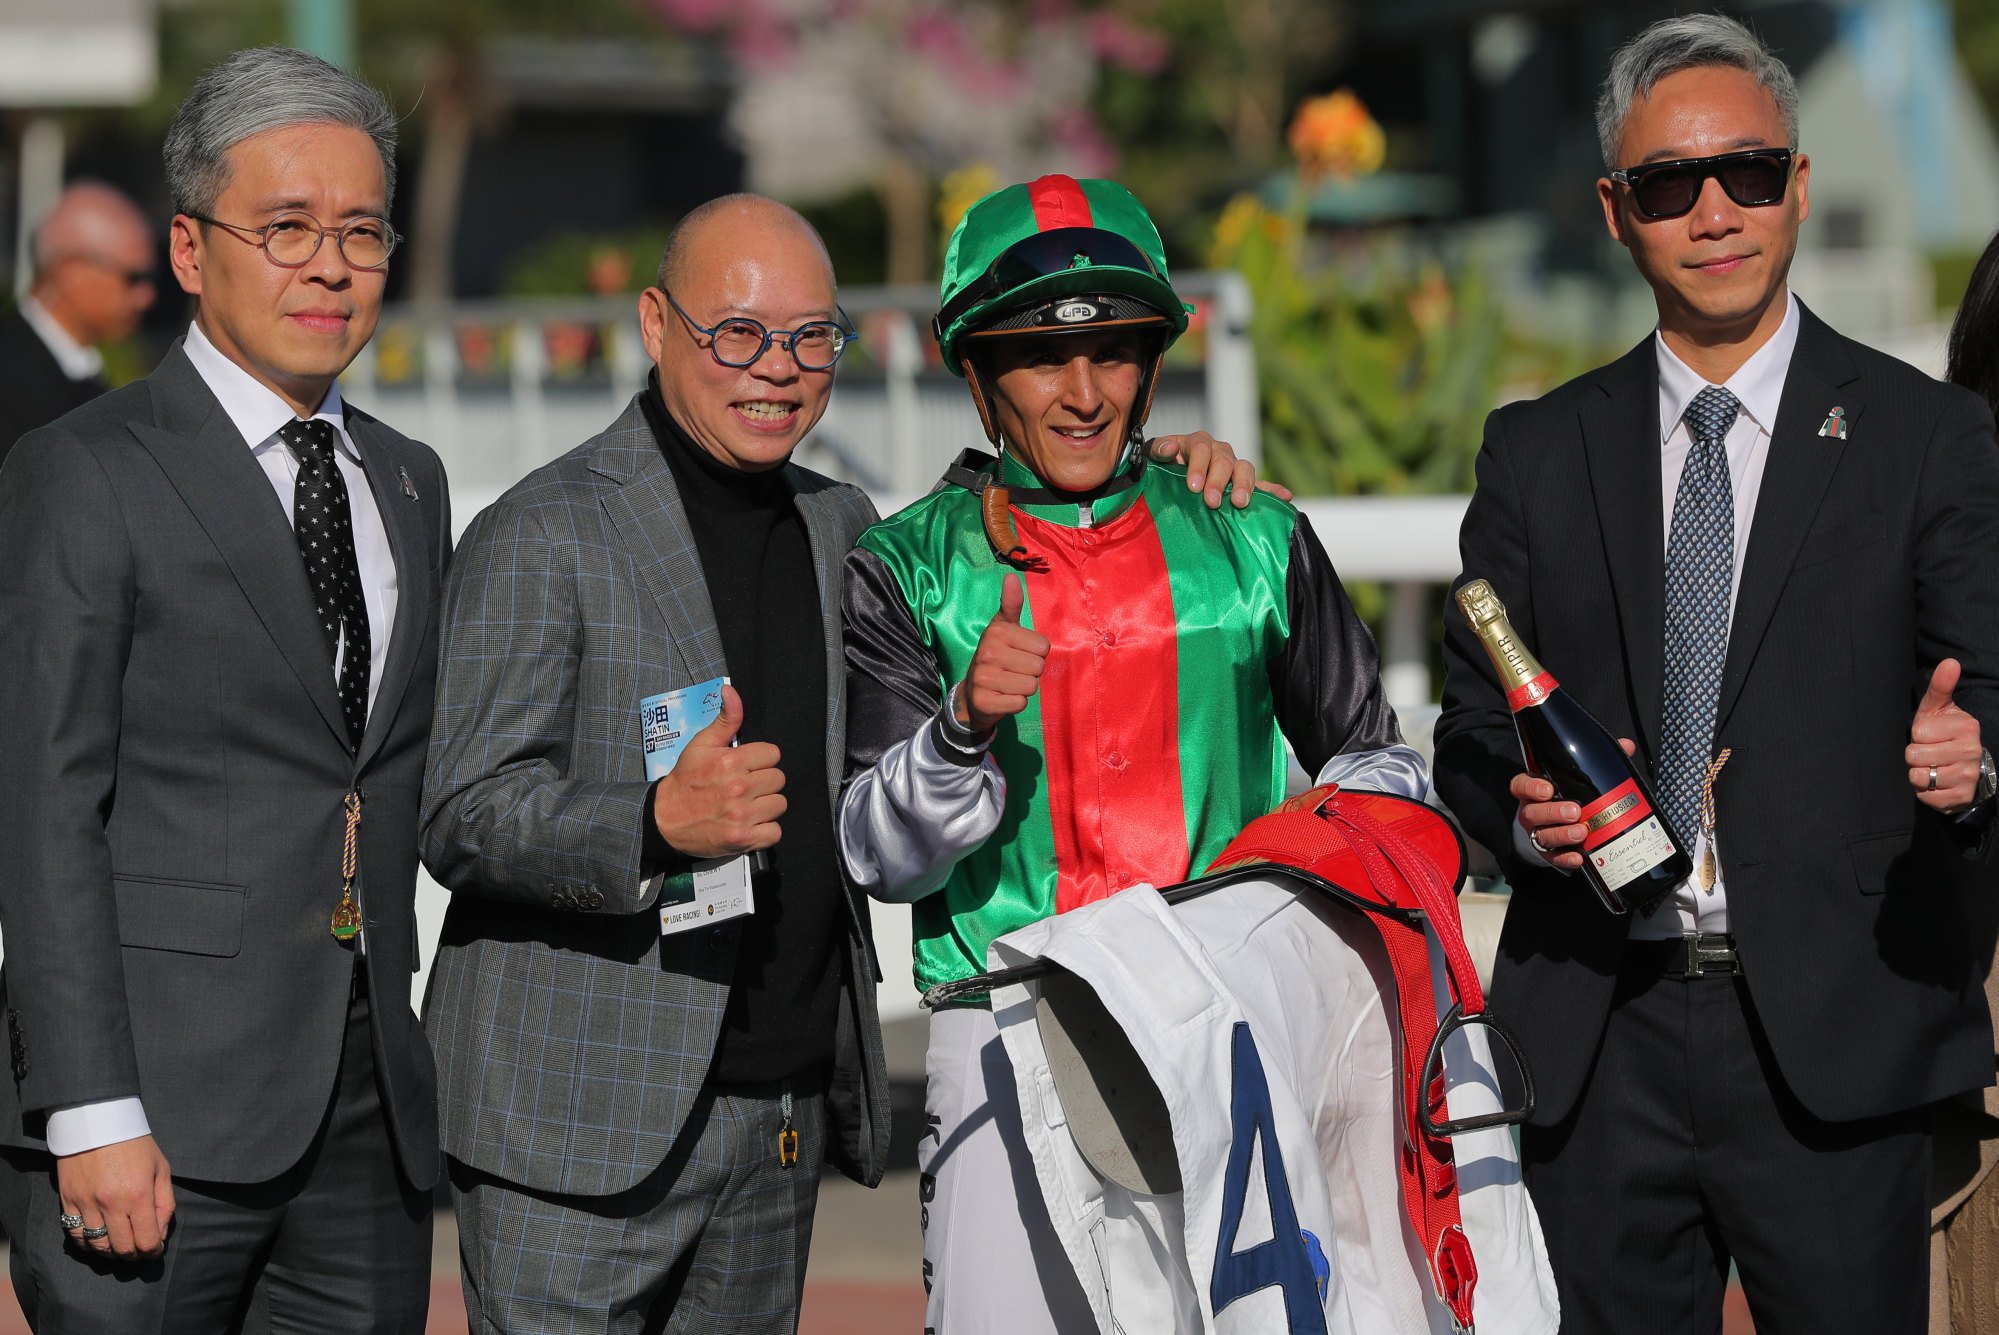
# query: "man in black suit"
{"type": "Point", "coordinates": [218, 634]}
{"type": "Point", "coordinates": [93, 279]}
{"type": "Point", "coordinates": [1764, 553]}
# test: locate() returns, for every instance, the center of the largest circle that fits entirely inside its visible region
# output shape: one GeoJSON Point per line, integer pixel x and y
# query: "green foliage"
{"type": "Point", "coordinates": [1950, 277]}
{"type": "Point", "coordinates": [562, 265]}
{"type": "Point", "coordinates": [1977, 31]}
{"type": "Point", "coordinates": [1376, 384]}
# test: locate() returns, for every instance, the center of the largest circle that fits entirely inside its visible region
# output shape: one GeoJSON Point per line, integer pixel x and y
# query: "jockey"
{"type": "Point", "coordinates": [1067, 676]}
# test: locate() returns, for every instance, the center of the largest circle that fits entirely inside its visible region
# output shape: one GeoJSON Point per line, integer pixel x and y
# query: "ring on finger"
{"type": "Point", "coordinates": [1933, 779]}
{"type": "Point", "coordinates": [1534, 838]}
{"type": "Point", "coordinates": [98, 1234]}
{"type": "Point", "coordinates": [70, 1221]}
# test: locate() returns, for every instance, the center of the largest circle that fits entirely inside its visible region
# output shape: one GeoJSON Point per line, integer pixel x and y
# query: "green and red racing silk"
{"type": "Point", "coordinates": [1182, 638]}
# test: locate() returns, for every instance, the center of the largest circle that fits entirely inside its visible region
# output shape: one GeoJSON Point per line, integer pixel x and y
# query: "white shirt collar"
{"type": "Point", "coordinates": [1758, 384]}
{"type": "Point", "coordinates": [79, 361]}
{"type": "Point", "coordinates": [253, 406]}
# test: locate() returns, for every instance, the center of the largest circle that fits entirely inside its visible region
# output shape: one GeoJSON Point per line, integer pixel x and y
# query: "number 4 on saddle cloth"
{"type": "Point", "coordinates": [1265, 1100]}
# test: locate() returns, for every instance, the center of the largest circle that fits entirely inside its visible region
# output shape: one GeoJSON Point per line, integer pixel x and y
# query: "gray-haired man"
{"type": "Point", "coordinates": [1762, 552]}
{"type": "Point", "coordinates": [217, 630]}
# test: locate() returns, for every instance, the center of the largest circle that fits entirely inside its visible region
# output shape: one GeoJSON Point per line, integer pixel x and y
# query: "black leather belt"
{"type": "Point", "coordinates": [1695, 955]}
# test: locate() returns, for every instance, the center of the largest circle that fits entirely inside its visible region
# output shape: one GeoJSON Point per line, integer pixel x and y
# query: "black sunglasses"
{"type": "Point", "coordinates": [1752, 178]}
{"type": "Point", "coordinates": [1038, 256]}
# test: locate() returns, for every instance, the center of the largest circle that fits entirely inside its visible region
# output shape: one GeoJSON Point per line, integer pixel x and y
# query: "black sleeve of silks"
{"type": "Point", "coordinates": [892, 689]}
{"type": "Point", "coordinates": [1327, 681]}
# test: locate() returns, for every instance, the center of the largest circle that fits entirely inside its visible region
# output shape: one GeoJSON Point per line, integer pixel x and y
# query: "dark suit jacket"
{"type": "Point", "coordinates": [572, 1038]}
{"type": "Point", "coordinates": [34, 389]}
{"type": "Point", "coordinates": [171, 801]}
{"type": "Point", "coordinates": [1862, 918]}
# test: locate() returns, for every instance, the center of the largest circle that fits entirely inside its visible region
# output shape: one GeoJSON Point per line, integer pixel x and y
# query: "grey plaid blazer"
{"type": "Point", "coordinates": [571, 1038]}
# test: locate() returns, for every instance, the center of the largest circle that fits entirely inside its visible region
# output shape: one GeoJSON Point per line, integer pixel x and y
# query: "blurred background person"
{"type": "Point", "coordinates": [1964, 1219]}
{"type": "Point", "coordinates": [93, 280]}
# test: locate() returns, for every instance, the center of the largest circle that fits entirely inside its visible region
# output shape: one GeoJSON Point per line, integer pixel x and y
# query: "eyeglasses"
{"type": "Point", "coordinates": [740, 341]}
{"type": "Point", "coordinates": [290, 240]}
{"type": "Point", "coordinates": [1037, 256]}
{"type": "Point", "coordinates": [1752, 178]}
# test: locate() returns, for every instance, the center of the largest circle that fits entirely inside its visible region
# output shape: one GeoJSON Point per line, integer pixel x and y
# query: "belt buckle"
{"type": "Point", "coordinates": [1710, 954]}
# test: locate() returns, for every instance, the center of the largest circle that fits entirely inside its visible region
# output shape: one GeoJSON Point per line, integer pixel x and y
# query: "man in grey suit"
{"type": "Point", "coordinates": [613, 1099]}
{"type": "Point", "coordinates": [216, 626]}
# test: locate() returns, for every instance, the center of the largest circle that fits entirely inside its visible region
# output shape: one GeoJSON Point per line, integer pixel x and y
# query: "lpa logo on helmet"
{"type": "Point", "coordinates": [1076, 312]}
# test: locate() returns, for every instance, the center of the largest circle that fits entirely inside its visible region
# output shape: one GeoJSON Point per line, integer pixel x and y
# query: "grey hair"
{"type": "Point", "coordinates": [267, 88]}
{"type": "Point", "coordinates": [1689, 41]}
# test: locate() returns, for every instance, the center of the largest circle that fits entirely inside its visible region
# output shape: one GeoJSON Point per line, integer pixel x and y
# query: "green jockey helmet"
{"type": "Point", "coordinates": [1050, 256]}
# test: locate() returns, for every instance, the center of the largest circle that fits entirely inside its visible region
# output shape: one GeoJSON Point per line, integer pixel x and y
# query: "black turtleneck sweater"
{"type": "Point", "coordinates": [784, 1000]}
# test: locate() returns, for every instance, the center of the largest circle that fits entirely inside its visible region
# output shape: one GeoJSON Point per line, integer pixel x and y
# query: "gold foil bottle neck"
{"type": "Point", "coordinates": [1518, 668]}
{"type": "Point", "coordinates": [1479, 603]}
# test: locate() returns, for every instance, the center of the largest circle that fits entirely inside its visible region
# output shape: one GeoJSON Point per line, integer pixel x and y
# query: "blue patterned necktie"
{"type": "Point", "coordinates": [1700, 567]}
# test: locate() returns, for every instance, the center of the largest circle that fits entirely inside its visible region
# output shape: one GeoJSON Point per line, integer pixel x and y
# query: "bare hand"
{"type": "Point", "coordinates": [1207, 457]}
{"type": "Point", "coordinates": [125, 1187]}
{"type": "Point", "coordinates": [1006, 667]}
{"type": "Point", "coordinates": [1943, 736]}
{"type": "Point", "coordinates": [1551, 825]}
{"type": "Point", "coordinates": [720, 799]}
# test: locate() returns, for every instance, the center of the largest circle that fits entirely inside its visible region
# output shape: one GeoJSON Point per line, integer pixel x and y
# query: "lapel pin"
{"type": "Point", "coordinates": [409, 487]}
{"type": "Point", "coordinates": [1835, 424]}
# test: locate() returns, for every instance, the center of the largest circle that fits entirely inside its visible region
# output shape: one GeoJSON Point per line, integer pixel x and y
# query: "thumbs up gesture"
{"type": "Point", "coordinates": [1944, 746]}
{"type": "Point", "coordinates": [721, 799]}
{"type": "Point", "coordinates": [1006, 667]}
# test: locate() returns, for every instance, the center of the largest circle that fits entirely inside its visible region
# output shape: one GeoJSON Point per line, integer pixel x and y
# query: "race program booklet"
{"type": "Point", "coordinates": [720, 887]}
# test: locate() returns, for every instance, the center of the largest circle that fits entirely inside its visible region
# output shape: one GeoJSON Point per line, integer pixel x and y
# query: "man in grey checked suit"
{"type": "Point", "coordinates": [229, 1107]}
{"type": "Point", "coordinates": [613, 1098]}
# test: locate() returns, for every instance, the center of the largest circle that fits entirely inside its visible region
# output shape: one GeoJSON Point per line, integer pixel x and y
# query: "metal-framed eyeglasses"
{"type": "Point", "coordinates": [290, 240]}
{"type": "Point", "coordinates": [740, 341]}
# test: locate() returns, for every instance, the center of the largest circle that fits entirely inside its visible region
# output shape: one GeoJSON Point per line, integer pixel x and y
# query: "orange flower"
{"type": "Point", "coordinates": [1334, 135]}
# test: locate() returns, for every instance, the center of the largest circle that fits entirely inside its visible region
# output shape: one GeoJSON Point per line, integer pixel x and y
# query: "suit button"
{"type": "Point", "coordinates": [718, 939]}
{"type": "Point", "coordinates": [593, 899]}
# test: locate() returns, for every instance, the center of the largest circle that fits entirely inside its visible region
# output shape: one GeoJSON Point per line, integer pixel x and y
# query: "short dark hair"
{"type": "Point", "coordinates": [1974, 335]}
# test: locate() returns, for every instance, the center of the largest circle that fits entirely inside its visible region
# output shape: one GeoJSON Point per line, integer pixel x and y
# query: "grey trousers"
{"type": "Point", "coordinates": [338, 1244]}
{"type": "Point", "coordinates": [714, 1240]}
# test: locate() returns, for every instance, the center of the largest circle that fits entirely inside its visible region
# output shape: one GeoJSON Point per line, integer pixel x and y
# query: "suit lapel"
{"type": "Point", "coordinates": [646, 509]}
{"type": "Point", "coordinates": [1621, 447]}
{"type": "Point", "coordinates": [219, 480]}
{"type": "Point", "coordinates": [416, 601]}
{"type": "Point", "coordinates": [1795, 476]}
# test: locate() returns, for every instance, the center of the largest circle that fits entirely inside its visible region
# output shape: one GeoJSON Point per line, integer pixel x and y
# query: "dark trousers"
{"type": "Point", "coordinates": [1686, 1151]}
{"type": "Point", "coordinates": [714, 1240]}
{"type": "Point", "coordinates": [339, 1243]}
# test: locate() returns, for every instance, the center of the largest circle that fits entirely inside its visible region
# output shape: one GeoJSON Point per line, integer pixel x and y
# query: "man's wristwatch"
{"type": "Point", "coordinates": [1988, 779]}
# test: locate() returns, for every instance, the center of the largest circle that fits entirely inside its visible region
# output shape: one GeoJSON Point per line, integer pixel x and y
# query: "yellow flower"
{"type": "Point", "coordinates": [962, 189]}
{"type": "Point", "coordinates": [1334, 135]}
{"type": "Point", "coordinates": [1242, 216]}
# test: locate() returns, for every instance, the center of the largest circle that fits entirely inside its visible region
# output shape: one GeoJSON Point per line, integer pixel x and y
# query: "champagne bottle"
{"type": "Point", "coordinates": [1631, 855]}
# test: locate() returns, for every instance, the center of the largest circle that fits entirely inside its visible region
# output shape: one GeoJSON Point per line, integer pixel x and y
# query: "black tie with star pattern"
{"type": "Point", "coordinates": [325, 529]}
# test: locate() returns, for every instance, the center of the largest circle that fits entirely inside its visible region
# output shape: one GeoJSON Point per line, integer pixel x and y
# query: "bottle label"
{"type": "Point", "coordinates": [1531, 692]}
{"type": "Point", "coordinates": [1613, 813]}
{"type": "Point", "coordinates": [1630, 855]}
{"type": "Point", "coordinates": [1625, 838]}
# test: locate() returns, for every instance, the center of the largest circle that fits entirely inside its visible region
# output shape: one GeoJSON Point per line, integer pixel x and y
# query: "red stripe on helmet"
{"type": "Point", "coordinates": [1059, 202]}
